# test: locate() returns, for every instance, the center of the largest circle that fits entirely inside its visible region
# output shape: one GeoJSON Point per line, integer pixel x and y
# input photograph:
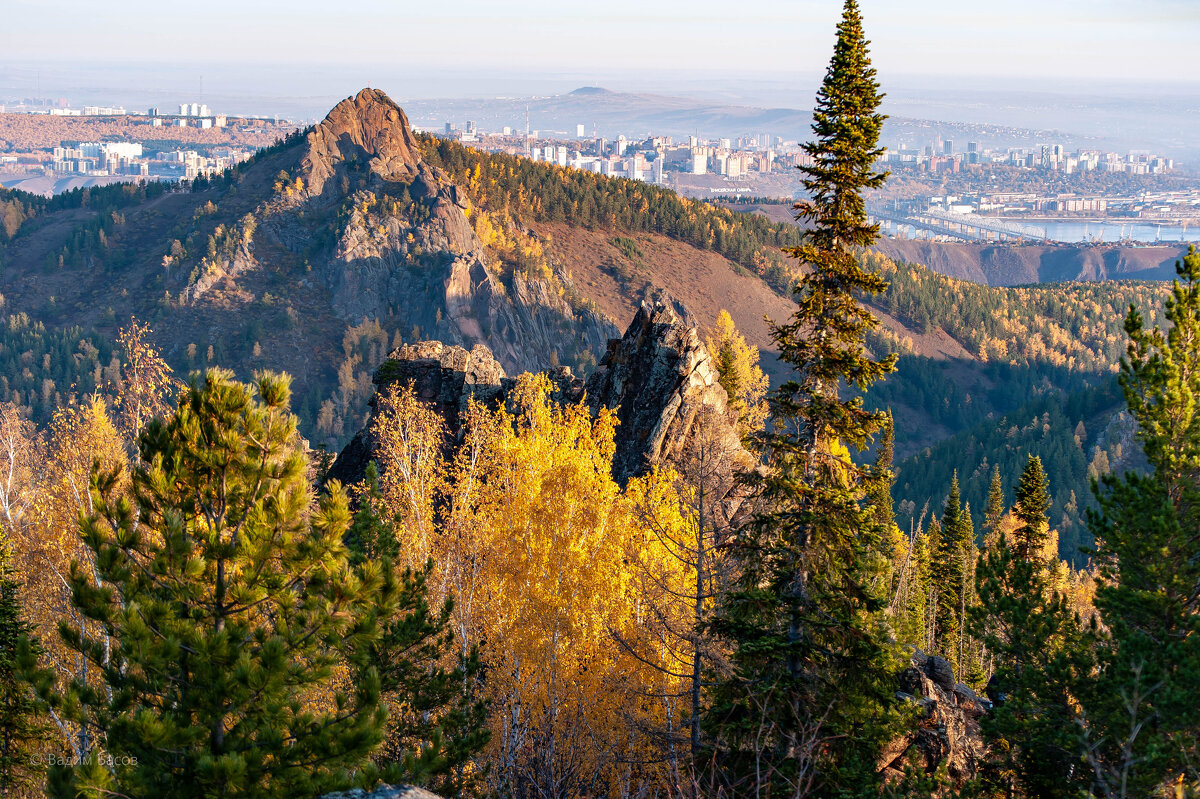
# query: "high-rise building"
{"type": "Point", "coordinates": [579, 131]}
{"type": "Point", "coordinates": [948, 147]}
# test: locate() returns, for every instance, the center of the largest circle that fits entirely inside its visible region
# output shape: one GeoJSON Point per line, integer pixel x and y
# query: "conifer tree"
{"type": "Point", "coordinates": [1143, 721]}
{"type": "Point", "coordinates": [952, 558]}
{"type": "Point", "coordinates": [994, 510]}
{"type": "Point", "coordinates": [1031, 508]}
{"type": "Point", "coordinates": [967, 660]}
{"type": "Point", "coordinates": [913, 625]}
{"type": "Point", "coordinates": [812, 696]}
{"type": "Point", "coordinates": [933, 588]}
{"type": "Point", "coordinates": [226, 602]}
{"type": "Point", "coordinates": [1032, 731]}
{"type": "Point", "coordinates": [880, 491]}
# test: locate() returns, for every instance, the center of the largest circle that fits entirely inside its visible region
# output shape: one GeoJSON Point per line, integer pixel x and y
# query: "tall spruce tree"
{"type": "Point", "coordinates": [227, 605]}
{"type": "Point", "coordinates": [993, 512]}
{"type": "Point", "coordinates": [1032, 505]}
{"type": "Point", "coordinates": [1143, 720]}
{"type": "Point", "coordinates": [949, 570]}
{"type": "Point", "coordinates": [812, 696]}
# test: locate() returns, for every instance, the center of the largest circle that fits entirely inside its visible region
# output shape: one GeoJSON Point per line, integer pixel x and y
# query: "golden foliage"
{"type": "Point", "coordinates": [743, 380]}
{"type": "Point", "coordinates": [548, 562]}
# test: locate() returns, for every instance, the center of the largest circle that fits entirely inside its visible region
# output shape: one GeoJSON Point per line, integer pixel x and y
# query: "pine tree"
{"type": "Point", "coordinates": [1143, 718]}
{"type": "Point", "coordinates": [812, 698]}
{"type": "Point", "coordinates": [1031, 508]}
{"type": "Point", "coordinates": [967, 661]}
{"type": "Point", "coordinates": [227, 605]}
{"type": "Point", "coordinates": [955, 545]}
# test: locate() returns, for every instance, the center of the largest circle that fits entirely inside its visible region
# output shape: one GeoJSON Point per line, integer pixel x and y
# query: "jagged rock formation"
{"type": "Point", "coordinates": [948, 730]}
{"type": "Point", "coordinates": [446, 377]}
{"type": "Point", "coordinates": [368, 126]}
{"type": "Point", "coordinates": [662, 384]}
{"type": "Point", "coordinates": [658, 378]}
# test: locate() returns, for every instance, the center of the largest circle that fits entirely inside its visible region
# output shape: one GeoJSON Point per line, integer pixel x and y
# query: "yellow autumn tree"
{"type": "Point", "coordinates": [536, 544]}
{"type": "Point", "coordinates": [20, 463]}
{"type": "Point", "coordinates": [48, 541]}
{"type": "Point", "coordinates": [412, 470]}
{"type": "Point", "coordinates": [737, 364]}
{"type": "Point", "coordinates": [147, 387]}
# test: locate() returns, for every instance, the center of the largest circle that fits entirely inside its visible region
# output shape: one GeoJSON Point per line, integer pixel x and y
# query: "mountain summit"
{"type": "Point", "coordinates": [369, 127]}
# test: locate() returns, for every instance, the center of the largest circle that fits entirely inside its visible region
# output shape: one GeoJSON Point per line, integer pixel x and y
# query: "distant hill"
{"type": "Point", "coordinates": [640, 113]}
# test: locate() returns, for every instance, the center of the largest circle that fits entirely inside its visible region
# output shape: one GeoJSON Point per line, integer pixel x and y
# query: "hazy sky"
{"type": "Point", "coordinates": [1150, 40]}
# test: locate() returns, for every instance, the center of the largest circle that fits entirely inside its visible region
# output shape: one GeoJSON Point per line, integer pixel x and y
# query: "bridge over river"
{"type": "Point", "coordinates": [967, 227]}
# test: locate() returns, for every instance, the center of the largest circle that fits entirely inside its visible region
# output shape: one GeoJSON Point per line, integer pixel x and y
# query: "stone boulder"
{"type": "Point", "coordinates": [947, 732]}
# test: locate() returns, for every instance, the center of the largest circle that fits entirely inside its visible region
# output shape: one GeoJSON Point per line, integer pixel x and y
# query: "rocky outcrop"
{"type": "Point", "coordinates": [445, 377]}
{"type": "Point", "coordinates": [662, 384]}
{"type": "Point", "coordinates": [657, 378]}
{"type": "Point", "coordinates": [947, 733]}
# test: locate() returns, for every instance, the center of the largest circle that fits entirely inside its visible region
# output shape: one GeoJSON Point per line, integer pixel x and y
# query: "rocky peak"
{"type": "Point", "coordinates": [664, 387]}
{"type": "Point", "coordinates": [369, 128]}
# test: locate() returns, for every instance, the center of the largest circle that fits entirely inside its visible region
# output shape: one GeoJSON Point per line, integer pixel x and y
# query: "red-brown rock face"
{"type": "Point", "coordinates": [368, 126]}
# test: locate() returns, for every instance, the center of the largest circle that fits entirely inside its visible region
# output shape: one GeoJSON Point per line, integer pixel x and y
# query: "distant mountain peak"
{"type": "Point", "coordinates": [368, 126]}
{"type": "Point", "coordinates": [591, 90]}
